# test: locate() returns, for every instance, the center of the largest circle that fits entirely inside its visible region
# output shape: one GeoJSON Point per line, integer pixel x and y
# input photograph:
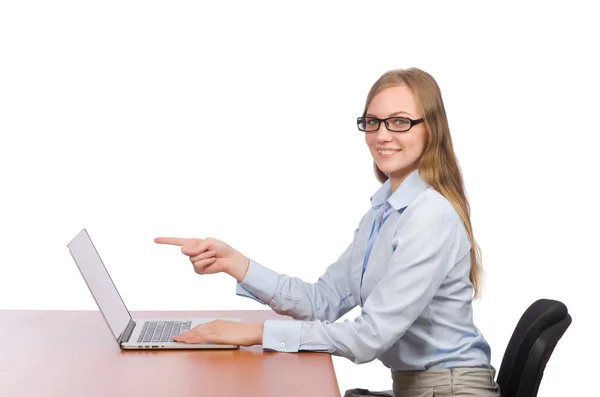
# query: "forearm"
{"type": "Point", "coordinates": [357, 341]}
{"type": "Point", "coordinates": [310, 301]}
{"type": "Point", "coordinates": [323, 300]}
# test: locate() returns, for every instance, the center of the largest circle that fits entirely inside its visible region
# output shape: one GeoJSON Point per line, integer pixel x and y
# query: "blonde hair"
{"type": "Point", "coordinates": [438, 165]}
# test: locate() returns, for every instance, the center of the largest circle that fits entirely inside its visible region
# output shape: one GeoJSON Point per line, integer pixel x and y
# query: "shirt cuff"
{"type": "Point", "coordinates": [282, 335]}
{"type": "Point", "coordinates": [259, 283]}
{"type": "Point", "coordinates": [240, 291]}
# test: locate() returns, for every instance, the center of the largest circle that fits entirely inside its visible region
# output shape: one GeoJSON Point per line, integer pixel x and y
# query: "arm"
{"type": "Point", "coordinates": [428, 245]}
{"type": "Point", "coordinates": [328, 299]}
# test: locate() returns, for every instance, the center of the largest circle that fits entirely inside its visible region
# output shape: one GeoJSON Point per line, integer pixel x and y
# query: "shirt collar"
{"type": "Point", "coordinates": [408, 190]}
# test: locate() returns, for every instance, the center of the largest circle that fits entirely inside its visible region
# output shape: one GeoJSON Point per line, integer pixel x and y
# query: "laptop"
{"type": "Point", "coordinates": [130, 333]}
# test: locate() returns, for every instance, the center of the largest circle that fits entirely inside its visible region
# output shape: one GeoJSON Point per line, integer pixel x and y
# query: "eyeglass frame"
{"type": "Point", "coordinates": [385, 121]}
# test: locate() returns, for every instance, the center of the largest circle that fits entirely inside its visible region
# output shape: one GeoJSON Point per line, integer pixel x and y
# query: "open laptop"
{"type": "Point", "coordinates": [139, 333]}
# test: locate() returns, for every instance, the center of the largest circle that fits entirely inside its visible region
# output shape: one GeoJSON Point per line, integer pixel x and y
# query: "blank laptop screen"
{"type": "Point", "coordinates": [99, 282]}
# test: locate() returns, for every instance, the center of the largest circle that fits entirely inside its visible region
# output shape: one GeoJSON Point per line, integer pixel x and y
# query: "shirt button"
{"type": "Point", "coordinates": [282, 344]}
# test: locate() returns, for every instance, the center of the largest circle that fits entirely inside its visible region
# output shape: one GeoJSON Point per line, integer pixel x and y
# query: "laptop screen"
{"type": "Point", "coordinates": [99, 282]}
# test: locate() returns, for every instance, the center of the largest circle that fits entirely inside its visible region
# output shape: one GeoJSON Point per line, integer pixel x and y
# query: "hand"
{"type": "Point", "coordinates": [224, 332]}
{"type": "Point", "coordinates": [210, 256]}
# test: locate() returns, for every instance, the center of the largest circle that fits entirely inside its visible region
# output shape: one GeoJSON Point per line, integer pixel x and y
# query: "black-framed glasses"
{"type": "Point", "coordinates": [396, 124]}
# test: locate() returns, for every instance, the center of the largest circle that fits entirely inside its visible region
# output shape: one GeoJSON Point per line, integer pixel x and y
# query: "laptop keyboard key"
{"type": "Point", "coordinates": [162, 331]}
{"type": "Point", "coordinates": [166, 334]}
{"type": "Point", "coordinates": [141, 337]}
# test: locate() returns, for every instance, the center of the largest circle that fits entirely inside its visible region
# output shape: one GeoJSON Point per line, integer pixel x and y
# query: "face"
{"type": "Point", "coordinates": [396, 153]}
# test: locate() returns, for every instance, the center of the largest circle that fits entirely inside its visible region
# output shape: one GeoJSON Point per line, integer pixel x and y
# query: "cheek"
{"type": "Point", "coordinates": [369, 140]}
{"type": "Point", "coordinates": [415, 141]}
{"type": "Point", "coordinates": [423, 137]}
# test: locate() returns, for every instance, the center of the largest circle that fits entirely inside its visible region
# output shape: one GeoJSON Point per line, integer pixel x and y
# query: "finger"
{"type": "Point", "coordinates": [204, 255]}
{"type": "Point", "coordinates": [196, 248]}
{"type": "Point", "coordinates": [202, 266]}
{"type": "Point", "coordinates": [185, 337]}
{"type": "Point", "coordinates": [195, 335]}
{"type": "Point", "coordinates": [172, 240]}
{"type": "Point", "coordinates": [197, 338]}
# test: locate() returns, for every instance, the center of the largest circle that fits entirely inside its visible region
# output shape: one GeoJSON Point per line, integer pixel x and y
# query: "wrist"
{"type": "Point", "coordinates": [258, 335]}
{"type": "Point", "coordinates": [240, 270]}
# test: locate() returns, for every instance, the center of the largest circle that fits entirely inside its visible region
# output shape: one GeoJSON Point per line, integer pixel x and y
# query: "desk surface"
{"type": "Point", "coordinates": [73, 353]}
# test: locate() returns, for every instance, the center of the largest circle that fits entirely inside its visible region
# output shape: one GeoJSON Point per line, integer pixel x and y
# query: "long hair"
{"type": "Point", "coordinates": [438, 165]}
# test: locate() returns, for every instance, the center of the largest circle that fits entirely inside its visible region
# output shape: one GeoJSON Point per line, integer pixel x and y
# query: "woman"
{"type": "Point", "coordinates": [413, 266]}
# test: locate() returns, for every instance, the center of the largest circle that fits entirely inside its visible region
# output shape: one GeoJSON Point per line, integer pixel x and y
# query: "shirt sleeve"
{"type": "Point", "coordinates": [426, 247]}
{"type": "Point", "coordinates": [328, 299]}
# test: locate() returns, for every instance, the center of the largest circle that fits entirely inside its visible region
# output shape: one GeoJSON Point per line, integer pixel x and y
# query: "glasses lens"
{"type": "Point", "coordinates": [399, 124]}
{"type": "Point", "coordinates": [368, 123]}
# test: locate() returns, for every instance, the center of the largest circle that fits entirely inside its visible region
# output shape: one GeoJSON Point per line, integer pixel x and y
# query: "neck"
{"type": "Point", "coordinates": [397, 178]}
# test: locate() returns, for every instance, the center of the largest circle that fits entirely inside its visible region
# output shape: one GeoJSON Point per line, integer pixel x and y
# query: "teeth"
{"type": "Point", "coordinates": [385, 152]}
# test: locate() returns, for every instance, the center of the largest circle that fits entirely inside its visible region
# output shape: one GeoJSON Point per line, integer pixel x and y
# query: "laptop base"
{"type": "Point", "coordinates": [162, 344]}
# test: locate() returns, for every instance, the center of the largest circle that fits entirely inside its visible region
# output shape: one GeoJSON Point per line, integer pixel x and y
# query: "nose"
{"type": "Point", "coordinates": [383, 134]}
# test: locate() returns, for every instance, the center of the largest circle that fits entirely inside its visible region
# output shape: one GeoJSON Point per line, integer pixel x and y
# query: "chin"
{"type": "Point", "coordinates": [396, 171]}
{"type": "Point", "coordinates": [390, 170]}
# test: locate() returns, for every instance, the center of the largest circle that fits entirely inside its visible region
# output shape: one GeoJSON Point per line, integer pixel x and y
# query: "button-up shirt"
{"type": "Point", "coordinates": [407, 268]}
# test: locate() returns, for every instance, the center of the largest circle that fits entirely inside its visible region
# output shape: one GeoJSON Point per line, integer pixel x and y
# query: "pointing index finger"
{"type": "Point", "coordinates": [171, 240]}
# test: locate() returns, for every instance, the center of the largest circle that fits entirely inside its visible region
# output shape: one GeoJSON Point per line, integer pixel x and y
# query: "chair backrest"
{"type": "Point", "coordinates": [530, 347]}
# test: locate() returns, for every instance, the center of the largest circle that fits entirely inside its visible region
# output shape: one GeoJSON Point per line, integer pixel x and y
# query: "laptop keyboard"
{"type": "Point", "coordinates": [162, 331]}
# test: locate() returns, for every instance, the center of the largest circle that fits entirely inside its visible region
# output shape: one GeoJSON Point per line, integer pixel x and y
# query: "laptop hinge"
{"type": "Point", "coordinates": [127, 333]}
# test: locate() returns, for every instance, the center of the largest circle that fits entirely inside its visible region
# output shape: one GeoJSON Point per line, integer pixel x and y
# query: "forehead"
{"type": "Point", "coordinates": [394, 99]}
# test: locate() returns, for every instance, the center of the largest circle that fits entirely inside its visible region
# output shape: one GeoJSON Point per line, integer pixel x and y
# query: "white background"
{"type": "Point", "coordinates": [237, 121]}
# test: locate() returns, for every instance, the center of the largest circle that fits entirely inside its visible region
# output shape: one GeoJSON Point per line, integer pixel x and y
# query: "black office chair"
{"type": "Point", "coordinates": [530, 347]}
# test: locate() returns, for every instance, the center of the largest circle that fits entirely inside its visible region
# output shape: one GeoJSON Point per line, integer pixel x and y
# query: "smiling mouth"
{"type": "Point", "coordinates": [388, 152]}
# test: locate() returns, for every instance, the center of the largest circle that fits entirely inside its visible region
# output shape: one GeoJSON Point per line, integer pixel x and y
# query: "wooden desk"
{"type": "Point", "coordinates": [73, 354]}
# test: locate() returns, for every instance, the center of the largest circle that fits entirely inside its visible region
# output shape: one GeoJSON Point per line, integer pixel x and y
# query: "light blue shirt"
{"type": "Point", "coordinates": [407, 268]}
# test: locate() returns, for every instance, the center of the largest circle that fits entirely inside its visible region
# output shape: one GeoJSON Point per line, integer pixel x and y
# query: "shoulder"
{"type": "Point", "coordinates": [432, 216]}
{"type": "Point", "coordinates": [431, 207]}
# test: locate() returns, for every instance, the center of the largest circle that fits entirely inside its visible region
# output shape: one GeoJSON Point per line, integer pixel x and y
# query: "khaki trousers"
{"type": "Point", "coordinates": [458, 382]}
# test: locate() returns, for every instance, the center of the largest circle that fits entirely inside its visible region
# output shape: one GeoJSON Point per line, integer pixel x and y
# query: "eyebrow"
{"type": "Point", "coordinates": [391, 114]}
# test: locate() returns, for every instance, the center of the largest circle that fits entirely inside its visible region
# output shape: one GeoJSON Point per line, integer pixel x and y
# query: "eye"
{"type": "Point", "coordinates": [399, 121]}
{"type": "Point", "coordinates": [371, 121]}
